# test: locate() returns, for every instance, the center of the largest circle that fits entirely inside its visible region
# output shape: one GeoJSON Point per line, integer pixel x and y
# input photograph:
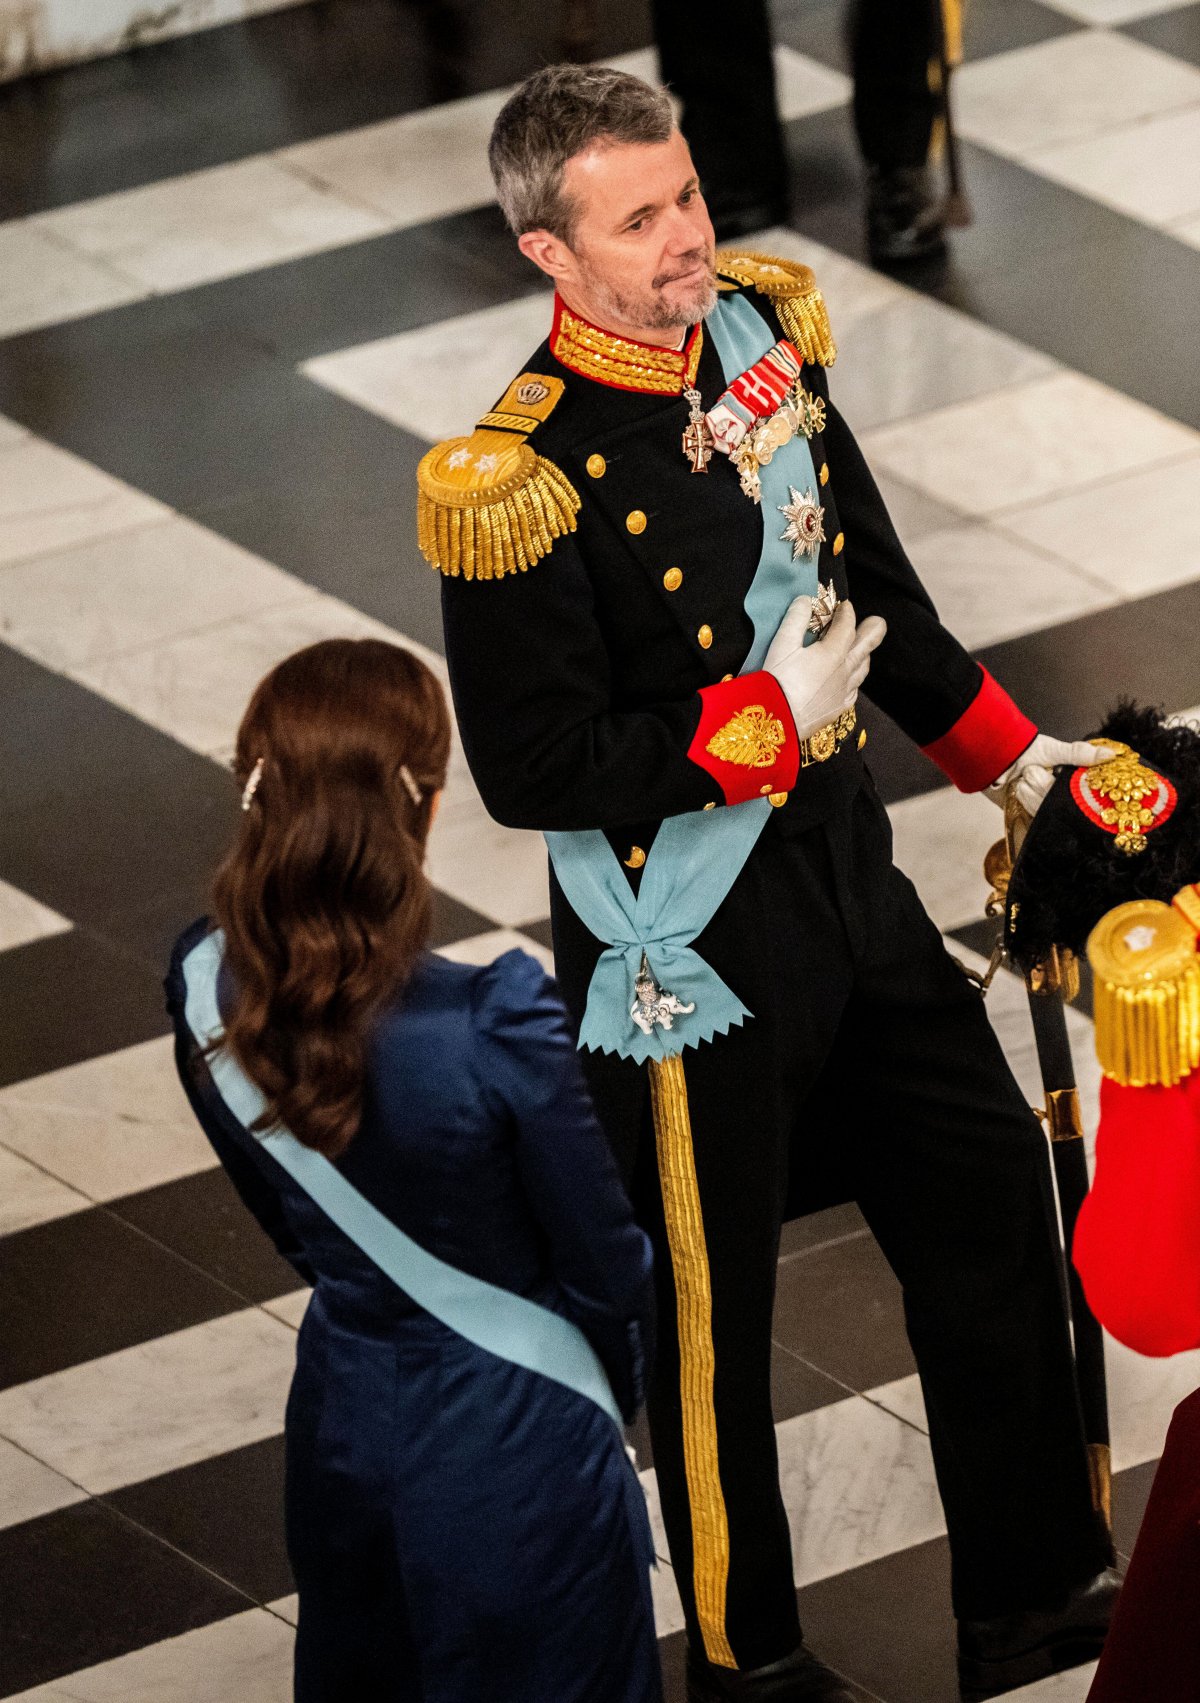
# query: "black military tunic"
{"type": "Point", "coordinates": [593, 607]}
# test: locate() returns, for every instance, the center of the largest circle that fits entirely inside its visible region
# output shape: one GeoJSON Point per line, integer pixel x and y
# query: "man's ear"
{"type": "Point", "coordinates": [548, 252]}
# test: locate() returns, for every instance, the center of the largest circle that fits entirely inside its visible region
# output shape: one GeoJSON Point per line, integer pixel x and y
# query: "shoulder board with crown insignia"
{"type": "Point", "coordinates": [792, 291]}
{"type": "Point", "coordinates": [488, 504]}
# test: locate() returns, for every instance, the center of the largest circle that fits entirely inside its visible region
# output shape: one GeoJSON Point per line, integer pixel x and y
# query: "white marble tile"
{"type": "Point", "coordinates": [1069, 1687]}
{"type": "Point", "coordinates": [499, 871]}
{"type": "Point", "coordinates": [1137, 534]}
{"type": "Point", "coordinates": [1057, 91]}
{"type": "Point", "coordinates": [29, 1195]}
{"type": "Point", "coordinates": [914, 513]}
{"type": "Point", "coordinates": [940, 841]}
{"type": "Point", "coordinates": [290, 1308]}
{"type": "Point", "coordinates": [211, 224]}
{"type": "Point", "coordinates": [805, 86]}
{"type": "Point", "coordinates": [1027, 443]}
{"type": "Point", "coordinates": [50, 499]}
{"type": "Point", "coordinates": [109, 1126]}
{"type": "Point", "coordinates": [40, 34]}
{"type": "Point", "coordinates": [125, 593]}
{"type": "Point", "coordinates": [164, 1404]}
{"type": "Point", "coordinates": [287, 1608]}
{"type": "Point", "coordinates": [437, 380]}
{"type": "Point", "coordinates": [246, 1658]}
{"type": "Point", "coordinates": [11, 433]}
{"type": "Point", "coordinates": [43, 281]}
{"type": "Point", "coordinates": [28, 1489]}
{"type": "Point", "coordinates": [1150, 170]}
{"type": "Point", "coordinates": [851, 291]}
{"type": "Point", "coordinates": [196, 688]}
{"type": "Point", "coordinates": [914, 355]}
{"type": "Point", "coordinates": [23, 919]}
{"type": "Point", "coordinates": [1187, 230]}
{"type": "Point", "coordinates": [485, 948]}
{"type": "Point", "coordinates": [988, 587]}
{"type": "Point", "coordinates": [1100, 12]}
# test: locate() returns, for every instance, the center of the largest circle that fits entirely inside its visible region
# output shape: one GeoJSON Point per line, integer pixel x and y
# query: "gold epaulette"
{"type": "Point", "coordinates": [488, 504]}
{"type": "Point", "coordinates": [1147, 991]}
{"type": "Point", "coordinates": [792, 291]}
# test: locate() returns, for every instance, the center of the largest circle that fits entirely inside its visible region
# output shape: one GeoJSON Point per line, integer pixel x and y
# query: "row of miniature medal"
{"type": "Point", "coordinates": [756, 416]}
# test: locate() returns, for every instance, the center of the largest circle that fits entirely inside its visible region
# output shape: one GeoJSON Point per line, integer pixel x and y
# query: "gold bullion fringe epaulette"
{"type": "Point", "coordinates": [792, 291]}
{"type": "Point", "coordinates": [488, 504]}
{"type": "Point", "coordinates": [1147, 993]}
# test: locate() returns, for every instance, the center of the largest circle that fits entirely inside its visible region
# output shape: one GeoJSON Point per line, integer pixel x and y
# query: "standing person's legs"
{"type": "Point", "coordinates": [893, 44]}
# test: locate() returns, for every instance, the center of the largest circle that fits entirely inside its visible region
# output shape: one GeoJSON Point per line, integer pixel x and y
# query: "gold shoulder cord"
{"type": "Point", "coordinates": [488, 505]}
{"type": "Point", "coordinates": [1147, 991]}
{"type": "Point", "coordinates": [697, 1359]}
{"type": "Point", "coordinates": [792, 291]}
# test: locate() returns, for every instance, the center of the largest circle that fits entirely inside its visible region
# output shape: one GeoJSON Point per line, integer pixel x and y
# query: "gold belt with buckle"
{"type": "Point", "coordinates": [820, 746]}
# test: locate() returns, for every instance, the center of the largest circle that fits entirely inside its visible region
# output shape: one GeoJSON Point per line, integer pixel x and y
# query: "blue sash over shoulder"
{"type": "Point", "coordinates": [695, 858]}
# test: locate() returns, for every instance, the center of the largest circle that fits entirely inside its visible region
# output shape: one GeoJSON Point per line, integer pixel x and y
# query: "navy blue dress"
{"type": "Point", "coordinates": [459, 1528]}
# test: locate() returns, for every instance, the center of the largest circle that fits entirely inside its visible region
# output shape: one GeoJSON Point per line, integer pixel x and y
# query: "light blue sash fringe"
{"type": "Point", "coordinates": [696, 857]}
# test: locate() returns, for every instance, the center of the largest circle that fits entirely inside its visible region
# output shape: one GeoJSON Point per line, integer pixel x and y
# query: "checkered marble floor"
{"type": "Point", "coordinates": [223, 348]}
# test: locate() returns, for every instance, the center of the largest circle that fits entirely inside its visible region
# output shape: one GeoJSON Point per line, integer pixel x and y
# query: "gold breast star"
{"type": "Point", "coordinates": [804, 531]}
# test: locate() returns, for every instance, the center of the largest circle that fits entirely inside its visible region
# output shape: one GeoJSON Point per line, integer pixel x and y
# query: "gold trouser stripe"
{"type": "Point", "coordinates": [697, 1361]}
{"type": "Point", "coordinates": [1100, 1474]}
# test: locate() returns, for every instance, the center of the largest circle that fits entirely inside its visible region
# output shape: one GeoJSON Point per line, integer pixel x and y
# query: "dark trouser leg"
{"type": "Point", "coordinates": [954, 1179]}
{"type": "Point", "coordinates": [891, 45]}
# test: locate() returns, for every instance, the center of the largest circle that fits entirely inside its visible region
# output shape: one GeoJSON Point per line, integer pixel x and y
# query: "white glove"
{"type": "Point", "coordinates": [821, 680]}
{"type": "Point", "coordinates": [1033, 771]}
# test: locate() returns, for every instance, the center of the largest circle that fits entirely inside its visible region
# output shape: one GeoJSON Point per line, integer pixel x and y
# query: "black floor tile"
{"type": "Point", "coordinates": [453, 921]}
{"type": "Point", "coordinates": [539, 931]}
{"type": "Point", "coordinates": [202, 1219]}
{"type": "Point", "coordinates": [83, 1586]}
{"type": "Point", "coordinates": [999, 26]}
{"type": "Point", "coordinates": [813, 27]}
{"type": "Point", "coordinates": [72, 997]}
{"type": "Point", "coordinates": [1131, 1492]}
{"type": "Point", "coordinates": [1176, 32]}
{"type": "Point", "coordinates": [225, 1513]}
{"type": "Point", "coordinates": [284, 77]}
{"type": "Point", "coordinates": [87, 1285]}
{"type": "Point", "coordinates": [839, 1308]}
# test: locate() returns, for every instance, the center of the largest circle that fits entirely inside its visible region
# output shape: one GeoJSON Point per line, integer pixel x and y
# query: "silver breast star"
{"type": "Point", "coordinates": [804, 516]}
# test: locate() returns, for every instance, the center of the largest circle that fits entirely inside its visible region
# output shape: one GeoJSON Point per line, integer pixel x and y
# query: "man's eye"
{"type": "Point", "coordinates": [636, 225]}
{"type": "Point", "coordinates": [688, 195]}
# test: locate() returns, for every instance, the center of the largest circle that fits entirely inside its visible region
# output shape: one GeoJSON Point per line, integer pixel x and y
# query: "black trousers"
{"type": "Point", "coordinates": [869, 1061]}
{"type": "Point", "coordinates": [717, 59]}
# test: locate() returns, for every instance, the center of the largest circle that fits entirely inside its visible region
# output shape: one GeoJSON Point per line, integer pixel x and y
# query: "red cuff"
{"type": "Point", "coordinates": [986, 739]}
{"type": "Point", "coordinates": [746, 739]}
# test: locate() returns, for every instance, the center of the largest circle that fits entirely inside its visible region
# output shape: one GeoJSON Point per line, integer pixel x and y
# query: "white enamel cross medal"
{"type": "Point", "coordinates": [697, 437]}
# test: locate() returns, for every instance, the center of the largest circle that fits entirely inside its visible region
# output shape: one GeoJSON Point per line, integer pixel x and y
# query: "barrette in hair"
{"type": "Point", "coordinates": [251, 786]}
{"type": "Point", "coordinates": [414, 791]}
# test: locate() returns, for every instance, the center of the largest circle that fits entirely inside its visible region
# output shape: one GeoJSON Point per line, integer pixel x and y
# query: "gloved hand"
{"type": "Point", "coordinates": [821, 680]}
{"type": "Point", "coordinates": [1033, 771]}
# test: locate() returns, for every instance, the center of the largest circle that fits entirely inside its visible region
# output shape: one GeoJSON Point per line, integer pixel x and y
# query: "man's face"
{"type": "Point", "coordinates": [642, 252]}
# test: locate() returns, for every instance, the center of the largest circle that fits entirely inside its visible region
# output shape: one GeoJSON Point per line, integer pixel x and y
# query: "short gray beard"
{"type": "Point", "coordinates": [651, 312]}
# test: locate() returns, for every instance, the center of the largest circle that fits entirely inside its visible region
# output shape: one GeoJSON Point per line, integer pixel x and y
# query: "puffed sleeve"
{"type": "Point", "coordinates": [601, 1259]}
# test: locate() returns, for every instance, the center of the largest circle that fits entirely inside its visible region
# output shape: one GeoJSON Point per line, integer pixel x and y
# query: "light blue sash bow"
{"type": "Point", "coordinates": [506, 1325]}
{"type": "Point", "coordinates": [696, 857]}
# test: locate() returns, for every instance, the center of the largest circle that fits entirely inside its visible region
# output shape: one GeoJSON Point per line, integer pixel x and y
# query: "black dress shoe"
{"type": "Point", "coordinates": [904, 215]}
{"type": "Point", "coordinates": [798, 1678]}
{"type": "Point", "coordinates": [999, 1655]}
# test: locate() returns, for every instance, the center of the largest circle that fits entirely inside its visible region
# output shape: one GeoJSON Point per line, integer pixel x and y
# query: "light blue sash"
{"type": "Point", "coordinates": [695, 858]}
{"type": "Point", "coordinates": [504, 1324]}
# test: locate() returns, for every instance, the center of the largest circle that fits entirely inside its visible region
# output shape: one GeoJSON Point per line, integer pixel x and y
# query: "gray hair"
{"type": "Point", "coordinates": [554, 115]}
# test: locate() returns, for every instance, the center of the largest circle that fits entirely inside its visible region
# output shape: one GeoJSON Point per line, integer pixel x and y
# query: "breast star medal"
{"type": "Point", "coordinates": [824, 606]}
{"type": "Point", "coordinates": [697, 436]}
{"type": "Point", "coordinates": [804, 530]}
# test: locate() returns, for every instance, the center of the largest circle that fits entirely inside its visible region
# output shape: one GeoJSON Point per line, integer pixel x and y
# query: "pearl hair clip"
{"type": "Point", "coordinates": [414, 791]}
{"type": "Point", "coordinates": [251, 786]}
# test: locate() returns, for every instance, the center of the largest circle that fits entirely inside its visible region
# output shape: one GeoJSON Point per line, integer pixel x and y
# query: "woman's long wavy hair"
{"type": "Point", "coordinates": [323, 898]}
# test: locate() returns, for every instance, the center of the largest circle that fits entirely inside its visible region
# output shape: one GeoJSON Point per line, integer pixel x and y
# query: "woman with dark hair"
{"type": "Point", "coordinates": [462, 1520]}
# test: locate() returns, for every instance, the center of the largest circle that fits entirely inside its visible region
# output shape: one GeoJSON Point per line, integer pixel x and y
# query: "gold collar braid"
{"type": "Point", "coordinates": [620, 362]}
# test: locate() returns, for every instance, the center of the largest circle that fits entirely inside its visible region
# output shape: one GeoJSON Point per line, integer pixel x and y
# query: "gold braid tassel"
{"type": "Point", "coordinates": [806, 322]}
{"type": "Point", "coordinates": [487, 506]}
{"type": "Point", "coordinates": [1147, 996]}
{"type": "Point", "coordinates": [697, 1358]}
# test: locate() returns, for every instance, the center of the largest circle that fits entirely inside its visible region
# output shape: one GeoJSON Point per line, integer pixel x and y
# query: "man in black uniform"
{"type": "Point", "coordinates": [653, 668]}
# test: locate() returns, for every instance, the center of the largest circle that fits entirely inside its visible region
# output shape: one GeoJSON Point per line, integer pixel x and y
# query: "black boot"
{"type": "Point", "coordinates": [1014, 1649]}
{"type": "Point", "coordinates": [798, 1678]}
{"type": "Point", "coordinates": [904, 215]}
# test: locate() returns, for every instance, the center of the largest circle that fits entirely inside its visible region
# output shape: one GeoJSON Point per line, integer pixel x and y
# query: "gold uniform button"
{"type": "Point", "coordinates": [635, 521]}
{"type": "Point", "coordinates": [711, 805]}
{"type": "Point", "coordinates": [824, 471]}
{"type": "Point", "coordinates": [673, 579]}
{"type": "Point", "coordinates": [839, 543]}
{"type": "Point", "coordinates": [862, 738]}
{"type": "Point", "coordinates": [777, 799]}
{"type": "Point", "coordinates": [597, 466]}
{"type": "Point", "coordinates": [636, 858]}
{"type": "Point", "coordinates": [704, 636]}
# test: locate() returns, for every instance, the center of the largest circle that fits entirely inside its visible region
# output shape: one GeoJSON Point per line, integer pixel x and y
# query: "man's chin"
{"type": "Point", "coordinates": [690, 306]}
